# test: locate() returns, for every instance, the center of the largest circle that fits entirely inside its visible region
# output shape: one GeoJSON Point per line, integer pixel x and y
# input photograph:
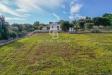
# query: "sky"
{"type": "Point", "coordinates": [45, 11]}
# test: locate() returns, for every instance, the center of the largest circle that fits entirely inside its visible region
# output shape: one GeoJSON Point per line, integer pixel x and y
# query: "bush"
{"type": "Point", "coordinates": [0, 37]}
{"type": "Point", "coordinates": [95, 31]}
{"type": "Point", "coordinates": [13, 35]}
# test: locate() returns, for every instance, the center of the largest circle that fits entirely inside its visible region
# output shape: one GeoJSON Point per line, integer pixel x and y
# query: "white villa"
{"type": "Point", "coordinates": [55, 26]}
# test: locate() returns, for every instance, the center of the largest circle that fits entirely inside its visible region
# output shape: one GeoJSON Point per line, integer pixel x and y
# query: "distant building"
{"type": "Point", "coordinates": [55, 26]}
{"type": "Point", "coordinates": [71, 30]}
{"type": "Point", "coordinates": [52, 26]}
{"type": "Point", "coordinates": [44, 28]}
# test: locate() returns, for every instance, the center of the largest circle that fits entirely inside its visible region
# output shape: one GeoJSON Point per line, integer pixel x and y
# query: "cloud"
{"type": "Point", "coordinates": [76, 16]}
{"type": "Point", "coordinates": [40, 5]}
{"type": "Point", "coordinates": [25, 8]}
{"type": "Point", "coordinates": [25, 5]}
{"type": "Point", "coordinates": [6, 9]}
{"type": "Point", "coordinates": [74, 9]}
{"type": "Point", "coordinates": [14, 19]}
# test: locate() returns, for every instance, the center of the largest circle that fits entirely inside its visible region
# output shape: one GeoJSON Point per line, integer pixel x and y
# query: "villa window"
{"type": "Point", "coordinates": [57, 27]}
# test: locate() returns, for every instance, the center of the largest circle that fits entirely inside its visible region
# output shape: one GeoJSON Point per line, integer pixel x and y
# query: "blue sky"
{"type": "Point", "coordinates": [28, 11]}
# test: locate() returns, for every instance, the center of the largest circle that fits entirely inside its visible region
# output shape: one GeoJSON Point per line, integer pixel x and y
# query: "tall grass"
{"type": "Point", "coordinates": [71, 54]}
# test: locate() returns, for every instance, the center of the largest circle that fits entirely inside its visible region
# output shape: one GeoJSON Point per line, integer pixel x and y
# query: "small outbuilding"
{"type": "Point", "coordinates": [71, 30]}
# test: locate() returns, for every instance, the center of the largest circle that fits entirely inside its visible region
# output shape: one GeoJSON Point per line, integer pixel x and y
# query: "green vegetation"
{"type": "Point", "coordinates": [108, 16]}
{"type": "Point", "coordinates": [88, 23]}
{"type": "Point", "coordinates": [65, 25]}
{"type": "Point", "coordinates": [103, 23]}
{"type": "Point", "coordinates": [71, 54]}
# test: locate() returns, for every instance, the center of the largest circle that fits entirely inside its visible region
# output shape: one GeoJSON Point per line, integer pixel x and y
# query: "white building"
{"type": "Point", "coordinates": [45, 27]}
{"type": "Point", "coordinates": [71, 30]}
{"type": "Point", "coordinates": [55, 26]}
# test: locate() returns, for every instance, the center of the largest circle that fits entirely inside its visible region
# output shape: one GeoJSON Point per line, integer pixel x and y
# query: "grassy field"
{"type": "Point", "coordinates": [71, 54]}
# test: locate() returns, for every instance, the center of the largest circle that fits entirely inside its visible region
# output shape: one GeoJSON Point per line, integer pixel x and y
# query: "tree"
{"type": "Point", "coordinates": [76, 26]}
{"type": "Point", "coordinates": [88, 20]}
{"type": "Point", "coordinates": [65, 25]}
{"type": "Point", "coordinates": [74, 23]}
{"type": "Point", "coordinates": [5, 30]}
{"type": "Point", "coordinates": [36, 25]}
{"type": "Point", "coordinates": [82, 23]}
{"type": "Point", "coordinates": [28, 27]}
{"type": "Point", "coordinates": [109, 16]}
{"type": "Point", "coordinates": [103, 21]}
{"type": "Point", "coordinates": [89, 25]}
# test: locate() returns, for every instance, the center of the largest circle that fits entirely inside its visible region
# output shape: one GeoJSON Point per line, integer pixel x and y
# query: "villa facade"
{"type": "Point", "coordinates": [55, 26]}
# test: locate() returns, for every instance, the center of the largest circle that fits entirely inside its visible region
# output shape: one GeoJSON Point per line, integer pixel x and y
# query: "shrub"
{"type": "Point", "coordinates": [95, 31]}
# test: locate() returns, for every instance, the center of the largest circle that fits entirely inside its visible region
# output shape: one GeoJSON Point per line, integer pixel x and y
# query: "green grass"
{"type": "Point", "coordinates": [71, 54]}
